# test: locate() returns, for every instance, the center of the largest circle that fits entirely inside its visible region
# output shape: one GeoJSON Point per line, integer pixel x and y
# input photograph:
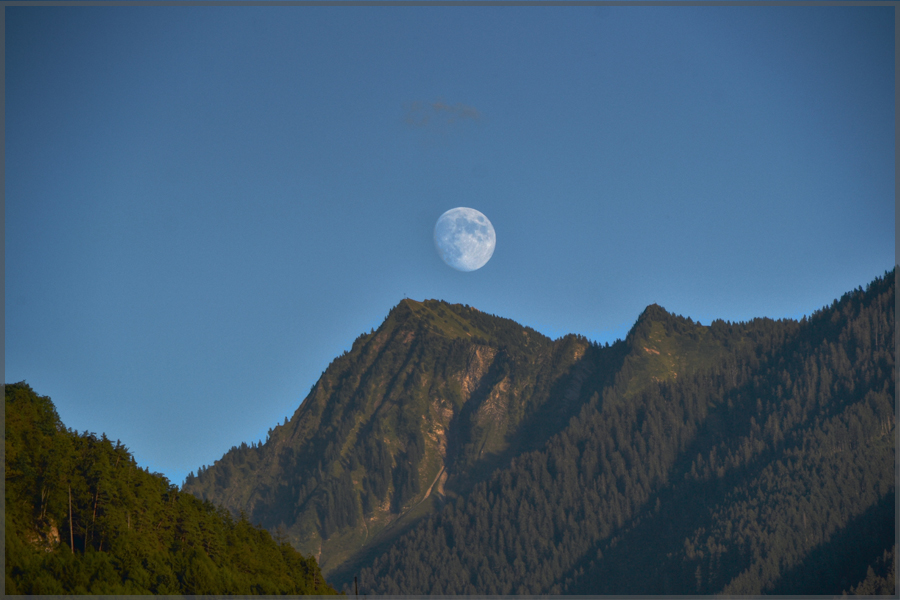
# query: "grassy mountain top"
{"type": "Point", "coordinates": [463, 322]}
{"type": "Point", "coordinates": [445, 319]}
{"type": "Point", "coordinates": [663, 346]}
{"type": "Point", "coordinates": [83, 518]}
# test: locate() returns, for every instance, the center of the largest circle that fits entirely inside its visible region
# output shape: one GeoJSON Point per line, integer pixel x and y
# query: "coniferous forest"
{"type": "Point", "coordinates": [83, 518]}
{"type": "Point", "coordinates": [455, 452]}
{"type": "Point", "coordinates": [452, 451]}
{"type": "Point", "coordinates": [770, 472]}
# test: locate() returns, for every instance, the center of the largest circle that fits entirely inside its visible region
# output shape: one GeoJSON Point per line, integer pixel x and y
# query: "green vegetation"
{"type": "Point", "coordinates": [882, 582]}
{"type": "Point", "coordinates": [765, 467]}
{"type": "Point", "coordinates": [437, 389]}
{"type": "Point", "coordinates": [83, 518]}
{"type": "Point", "coordinates": [453, 451]}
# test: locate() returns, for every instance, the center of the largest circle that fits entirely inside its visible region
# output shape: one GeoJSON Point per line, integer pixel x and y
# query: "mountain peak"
{"type": "Point", "coordinates": [410, 303]}
{"type": "Point", "coordinates": [443, 319]}
{"type": "Point", "coordinates": [654, 312]}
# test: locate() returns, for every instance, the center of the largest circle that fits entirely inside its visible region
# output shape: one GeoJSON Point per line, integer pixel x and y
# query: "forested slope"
{"type": "Point", "coordinates": [418, 411]}
{"type": "Point", "coordinates": [83, 518]}
{"type": "Point", "coordinates": [763, 463]}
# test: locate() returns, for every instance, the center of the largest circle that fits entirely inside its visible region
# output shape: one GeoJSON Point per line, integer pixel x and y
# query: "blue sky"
{"type": "Point", "coordinates": [206, 205]}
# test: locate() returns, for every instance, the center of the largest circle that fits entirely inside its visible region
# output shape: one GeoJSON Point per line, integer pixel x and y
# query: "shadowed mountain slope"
{"type": "Point", "coordinates": [452, 451]}
{"type": "Point", "coordinates": [418, 411]}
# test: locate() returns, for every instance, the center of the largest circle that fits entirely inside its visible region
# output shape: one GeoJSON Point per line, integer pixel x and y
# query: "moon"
{"type": "Point", "coordinates": [464, 238]}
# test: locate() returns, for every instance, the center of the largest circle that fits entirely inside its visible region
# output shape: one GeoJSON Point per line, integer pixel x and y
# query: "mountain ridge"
{"type": "Point", "coordinates": [469, 355]}
{"type": "Point", "coordinates": [481, 348]}
{"type": "Point", "coordinates": [714, 483]}
{"type": "Point", "coordinates": [441, 399]}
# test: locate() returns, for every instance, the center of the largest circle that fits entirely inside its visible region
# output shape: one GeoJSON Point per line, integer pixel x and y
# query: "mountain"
{"type": "Point", "coordinates": [452, 451]}
{"type": "Point", "coordinates": [417, 412]}
{"type": "Point", "coordinates": [82, 518]}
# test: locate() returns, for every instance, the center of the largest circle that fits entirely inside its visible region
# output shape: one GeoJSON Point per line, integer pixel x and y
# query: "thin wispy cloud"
{"type": "Point", "coordinates": [420, 114]}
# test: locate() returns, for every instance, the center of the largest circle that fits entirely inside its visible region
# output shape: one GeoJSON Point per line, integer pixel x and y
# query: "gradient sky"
{"type": "Point", "coordinates": [206, 205]}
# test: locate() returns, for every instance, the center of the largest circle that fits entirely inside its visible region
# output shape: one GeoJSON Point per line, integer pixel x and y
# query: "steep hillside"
{"type": "Point", "coordinates": [418, 411]}
{"type": "Point", "coordinates": [768, 469]}
{"type": "Point", "coordinates": [83, 518]}
{"type": "Point", "coordinates": [452, 451]}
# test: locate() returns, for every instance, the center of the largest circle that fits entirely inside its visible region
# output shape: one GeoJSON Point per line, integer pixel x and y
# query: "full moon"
{"type": "Point", "coordinates": [464, 238]}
